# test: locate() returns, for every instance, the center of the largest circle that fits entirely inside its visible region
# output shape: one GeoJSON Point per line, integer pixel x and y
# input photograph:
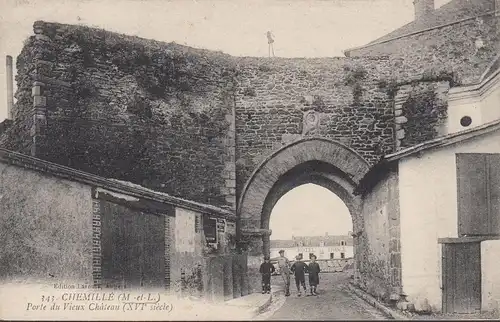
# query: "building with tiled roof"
{"type": "Point", "coordinates": [426, 17]}
{"type": "Point", "coordinates": [463, 36]}
{"type": "Point", "coordinates": [443, 192]}
{"type": "Point", "coordinates": [324, 247]}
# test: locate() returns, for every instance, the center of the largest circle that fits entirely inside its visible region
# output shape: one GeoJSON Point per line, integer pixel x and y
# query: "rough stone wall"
{"type": "Point", "coordinates": [187, 121]}
{"type": "Point", "coordinates": [466, 48]}
{"type": "Point", "coordinates": [420, 111]}
{"type": "Point", "coordinates": [274, 95]}
{"type": "Point", "coordinates": [46, 227]}
{"type": "Point", "coordinates": [380, 273]}
{"type": "Point", "coordinates": [195, 124]}
{"type": "Point", "coordinates": [17, 136]}
{"type": "Point", "coordinates": [151, 113]}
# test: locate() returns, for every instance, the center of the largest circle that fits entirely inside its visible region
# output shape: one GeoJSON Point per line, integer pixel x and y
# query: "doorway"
{"type": "Point", "coordinates": [461, 277]}
{"type": "Point", "coordinates": [133, 247]}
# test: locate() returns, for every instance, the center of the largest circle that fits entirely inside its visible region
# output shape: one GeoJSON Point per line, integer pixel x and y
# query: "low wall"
{"type": "Point", "coordinates": [380, 275]}
{"type": "Point", "coordinates": [216, 278]}
{"type": "Point", "coordinates": [335, 265]}
{"type": "Point", "coordinates": [46, 227]}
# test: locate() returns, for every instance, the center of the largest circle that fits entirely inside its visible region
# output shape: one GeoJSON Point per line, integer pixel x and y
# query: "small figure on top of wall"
{"type": "Point", "coordinates": [270, 42]}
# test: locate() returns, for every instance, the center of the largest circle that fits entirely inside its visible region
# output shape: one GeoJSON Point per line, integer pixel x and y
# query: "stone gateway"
{"type": "Point", "coordinates": [240, 132]}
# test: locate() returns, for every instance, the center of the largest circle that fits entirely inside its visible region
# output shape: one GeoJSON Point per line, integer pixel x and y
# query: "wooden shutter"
{"type": "Point", "coordinates": [494, 192]}
{"type": "Point", "coordinates": [478, 179]}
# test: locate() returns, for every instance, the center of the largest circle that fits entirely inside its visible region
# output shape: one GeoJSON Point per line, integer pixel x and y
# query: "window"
{"type": "Point", "coordinates": [198, 227]}
{"type": "Point", "coordinates": [478, 179]}
{"type": "Point", "coordinates": [342, 243]}
{"type": "Point", "coordinates": [332, 255]}
{"type": "Point", "coordinates": [300, 254]}
{"type": "Point", "coordinates": [322, 244]}
{"type": "Point", "coordinates": [465, 121]}
{"type": "Point", "coordinates": [210, 230]}
{"type": "Point", "coordinates": [342, 255]}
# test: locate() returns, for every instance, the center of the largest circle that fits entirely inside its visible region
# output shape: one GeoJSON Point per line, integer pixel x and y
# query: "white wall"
{"type": "Point", "coordinates": [490, 105]}
{"type": "Point", "coordinates": [428, 200]}
{"type": "Point", "coordinates": [480, 102]}
{"type": "Point", "coordinates": [185, 232]}
{"type": "Point", "coordinates": [490, 275]}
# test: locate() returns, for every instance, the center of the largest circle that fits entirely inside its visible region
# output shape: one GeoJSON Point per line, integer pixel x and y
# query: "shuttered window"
{"type": "Point", "coordinates": [478, 178]}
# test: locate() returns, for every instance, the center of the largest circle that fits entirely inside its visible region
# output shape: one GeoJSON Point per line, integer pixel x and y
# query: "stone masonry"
{"type": "Point", "coordinates": [189, 122]}
{"type": "Point", "coordinates": [206, 126]}
{"type": "Point", "coordinates": [465, 42]}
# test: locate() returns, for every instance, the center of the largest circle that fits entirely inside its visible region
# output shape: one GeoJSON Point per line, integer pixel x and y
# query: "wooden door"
{"type": "Point", "coordinates": [133, 247]}
{"type": "Point", "coordinates": [461, 277]}
{"type": "Point", "coordinates": [478, 179]}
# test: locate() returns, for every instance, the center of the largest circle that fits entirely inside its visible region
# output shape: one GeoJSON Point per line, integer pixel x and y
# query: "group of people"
{"type": "Point", "coordinates": [298, 269]}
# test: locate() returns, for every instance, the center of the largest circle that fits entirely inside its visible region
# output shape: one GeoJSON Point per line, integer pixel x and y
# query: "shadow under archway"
{"type": "Point", "coordinates": [315, 172]}
{"type": "Point", "coordinates": [320, 161]}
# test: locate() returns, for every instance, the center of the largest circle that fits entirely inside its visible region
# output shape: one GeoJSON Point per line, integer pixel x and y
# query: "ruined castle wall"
{"type": "Point", "coordinates": [195, 123]}
{"type": "Point", "coordinates": [466, 48]}
{"type": "Point", "coordinates": [380, 273]}
{"type": "Point", "coordinates": [151, 113]}
{"type": "Point", "coordinates": [421, 111]}
{"type": "Point", "coordinates": [274, 95]}
{"type": "Point", "coordinates": [17, 136]}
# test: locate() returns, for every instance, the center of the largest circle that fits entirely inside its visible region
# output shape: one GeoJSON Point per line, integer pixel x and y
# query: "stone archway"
{"type": "Point", "coordinates": [320, 161]}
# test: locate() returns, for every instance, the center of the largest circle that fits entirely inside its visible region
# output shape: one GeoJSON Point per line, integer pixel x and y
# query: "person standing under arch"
{"type": "Point", "coordinates": [313, 274]}
{"type": "Point", "coordinates": [284, 265]}
{"type": "Point", "coordinates": [299, 268]}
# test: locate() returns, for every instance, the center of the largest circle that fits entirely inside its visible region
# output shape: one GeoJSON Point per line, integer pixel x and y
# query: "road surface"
{"type": "Point", "coordinates": [334, 302]}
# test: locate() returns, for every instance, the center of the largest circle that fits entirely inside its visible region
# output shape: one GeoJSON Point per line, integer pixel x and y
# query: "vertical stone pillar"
{"type": "Point", "coordinates": [256, 250]}
{"type": "Point", "coordinates": [228, 277]}
{"type": "Point", "coordinates": [96, 244]}
{"type": "Point", "coordinates": [44, 60]}
{"type": "Point", "coordinates": [10, 84]}
{"type": "Point", "coordinates": [399, 119]}
{"type": "Point", "coordinates": [355, 255]}
{"type": "Point", "coordinates": [229, 174]}
{"type": "Point", "coordinates": [168, 249]}
{"type": "Point", "coordinates": [39, 123]}
{"type": "Point", "coordinates": [442, 89]}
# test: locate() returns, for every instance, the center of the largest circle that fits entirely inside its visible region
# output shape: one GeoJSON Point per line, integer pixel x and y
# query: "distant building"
{"type": "Point", "coordinates": [324, 247]}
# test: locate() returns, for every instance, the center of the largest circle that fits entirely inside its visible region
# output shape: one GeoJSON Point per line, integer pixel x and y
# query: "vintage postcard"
{"type": "Point", "coordinates": [249, 159]}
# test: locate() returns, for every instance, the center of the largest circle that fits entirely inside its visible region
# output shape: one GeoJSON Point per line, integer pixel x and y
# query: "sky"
{"type": "Point", "coordinates": [301, 28]}
{"type": "Point", "coordinates": [309, 210]}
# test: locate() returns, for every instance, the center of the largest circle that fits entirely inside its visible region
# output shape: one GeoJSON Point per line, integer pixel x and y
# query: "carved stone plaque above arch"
{"type": "Point", "coordinates": [310, 122]}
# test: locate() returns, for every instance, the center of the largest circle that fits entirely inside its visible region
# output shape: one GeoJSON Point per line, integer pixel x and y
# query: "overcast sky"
{"type": "Point", "coordinates": [309, 210]}
{"type": "Point", "coordinates": [302, 28]}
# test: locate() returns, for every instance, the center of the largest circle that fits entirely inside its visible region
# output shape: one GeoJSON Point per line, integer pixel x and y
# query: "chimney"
{"type": "Point", "coordinates": [423, 8]}
{"type": "Point", "coordinates": [10, 85]}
